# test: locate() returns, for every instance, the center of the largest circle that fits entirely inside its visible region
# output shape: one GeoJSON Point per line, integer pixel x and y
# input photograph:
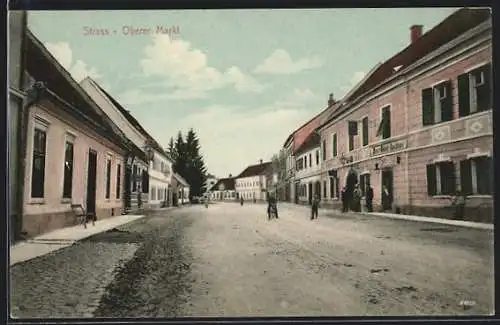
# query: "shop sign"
{"type": "Point", "coordinates": [389, 147]}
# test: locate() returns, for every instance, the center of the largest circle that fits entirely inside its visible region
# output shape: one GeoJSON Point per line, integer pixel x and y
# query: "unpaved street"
{"type": "Point", "coordinates": [228, 260]}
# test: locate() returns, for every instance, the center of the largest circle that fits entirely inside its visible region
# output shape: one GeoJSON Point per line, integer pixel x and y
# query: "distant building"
{"type": "Point", "coordinates": [308, 169]}
{"type": "Point", "coordinates": [223, 190]}
{"type": "Point", "coordinates": [251, 182]}
{"type": "Point", "coordinates": [181, 189]}
{"type": "Point", "coordinates": [421, 123]}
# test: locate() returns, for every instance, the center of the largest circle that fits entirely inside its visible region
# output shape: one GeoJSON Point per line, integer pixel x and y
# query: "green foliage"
{"type": "Point", "coordinates": [188, 161]}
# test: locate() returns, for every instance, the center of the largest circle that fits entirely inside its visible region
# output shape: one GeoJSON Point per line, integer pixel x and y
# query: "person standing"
{"type": "Point", "coordinates": [315, 207]}
{"type": "Point", "coordinates": [356, 200]}
{"type": "Point", "coordinates": [458, 203]}
{"type": "Point", "coordinates": [345, 199]}
{"type": "Point", "coordinates": [386, 198]}
{"type": "Point", "coordinates": [369, 197]}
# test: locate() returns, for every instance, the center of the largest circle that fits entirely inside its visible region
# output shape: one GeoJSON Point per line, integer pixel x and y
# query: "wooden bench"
{"type": "Point", "coordinates": [82, 215]}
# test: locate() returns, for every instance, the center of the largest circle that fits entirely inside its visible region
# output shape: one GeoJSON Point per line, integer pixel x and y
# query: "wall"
{"type": "Point", "coordinates": [159, 179]}
{"type": "Point", "coordinates": [251, 187]}
{"type": "Point", "coordinates": [52, 212]}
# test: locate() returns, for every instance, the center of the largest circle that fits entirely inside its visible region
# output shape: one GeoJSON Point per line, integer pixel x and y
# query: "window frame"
{"type": "Point", "coordinates": [69, 139]}
{"type": "Point", "coordinates": [108, 171]}
{"type": "Point", "coordinates": [41, 125]}
{"type": "Point", "coordinates": [118, 180]}
{"type": "Point", "coordinates": [334, 145]}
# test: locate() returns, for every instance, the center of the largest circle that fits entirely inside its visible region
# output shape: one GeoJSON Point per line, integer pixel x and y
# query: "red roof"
{"type": "Point", "coordinates": [254, 170]}
{"type": "Point", "coordinates": [453, 26]}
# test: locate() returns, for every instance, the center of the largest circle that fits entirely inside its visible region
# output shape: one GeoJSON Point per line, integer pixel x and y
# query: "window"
{"type": "Point", "coordinates": [474, 91]}
{"type": "Point", "coordinates": [441, 178]}
{"type": "Point", "coordinates": [68, 170]}
{"type": "Point", "coordinates": [364, 180]}
{"type": "Point", "coordinates": [153, 193]}
{"type": "Point", "coordinates": [384, 128]}
{"type": "Point", "coordinates": [38, 168]}
{"type": "Point", "coordinates": [134, 181]}
{"type": "Point", "coordinates": [364, 130]}
{"type": "Point", "coordinates": [118, 180]}
{"type": "Point", "coordinates": [323, 147]}
{"type": "Point", "coordinates": [324, 189]}
{"type": "Point", "coordinates": [159, 194]}
{"type": "Point", "coordinates": [310, 160]}
{"type": "Point", "coordinates": [334, 187]}
{"type": "Point", "coordinates": [145, 181]}
{"type": "Point", "coordinates": [475, 176]}
{"type": "Point", "coordinates": [351, 142]}
{"type": "Point", "coordinates": [437, 104]}
{"type": "Point", "coordinates": [334, 145]}
{"type": "Point", "coordinates": [305, 161]}
{"type": "Point", "coordinates": [317, 157]}
{"type": "Point", "coordinates": [108, 178]}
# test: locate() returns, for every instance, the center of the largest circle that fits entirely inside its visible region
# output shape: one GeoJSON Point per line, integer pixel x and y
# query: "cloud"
{"type": "Point", "coordinates": [280, 62]}
{"type": "Point", "coordinates": [64, 55]}
{"type": "Point", "coordinates": [233, 137]}
{"type": "Point", "coordinates": [181, 65]}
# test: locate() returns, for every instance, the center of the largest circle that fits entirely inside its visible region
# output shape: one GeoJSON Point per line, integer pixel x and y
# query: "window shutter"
{"type": "Point", "coordinates": [365, 131]}
{"type": "Point", "coordinates": [447, 103]}
{"type": "Point", "coordinates": [448, 178]}
{"type": "Point", "coordinates": [386, 116]}
{"type": "Point", "coordinates": [485, 92]}
{"type": "Point", "coordinates": [463, 95]}
{"type": "Point", "coordinates": [465, 177]}
{"type": "Point", "coordinates": [353, 127]}
{"type": "Point", "coordinates": [427, 106]}
{"type": "Point", "coordinates": [324, 149]}
{"type": "Point", "coordinates": [334, 145]}
{"type": "Point", "coordinates": [483, 174]}
{"type": "Point", "coordinates": [431, 180]}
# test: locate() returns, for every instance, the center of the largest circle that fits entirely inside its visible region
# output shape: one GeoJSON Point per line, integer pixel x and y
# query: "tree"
{"type": "Point", "coordinates": [188, 162]}
{"type": "Point", "coordinates": [172, 154]}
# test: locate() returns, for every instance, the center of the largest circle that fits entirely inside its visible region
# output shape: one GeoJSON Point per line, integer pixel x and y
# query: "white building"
{"type": "Point", "coordinates": [149, 181]}
{"type": "Point", "coordinates": [223, 190]}
{"type": "Point", "coordinates": [181, 189]}
{"type": "Point", "coordinates": [160, 177]}
{"type": "Point", "coordinates": [308, 168]}
{"type": "Point", "coordinates": [251, 183]}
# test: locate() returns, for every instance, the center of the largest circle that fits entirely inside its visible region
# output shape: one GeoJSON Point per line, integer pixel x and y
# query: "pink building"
{"type": "Point", "coordinates": [73, 155]}
{"type": "Point", "coordinates": [420, 123]}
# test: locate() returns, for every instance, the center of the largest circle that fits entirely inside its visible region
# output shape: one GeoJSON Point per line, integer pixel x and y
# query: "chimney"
{"type": "Point", "coordinates": [331, 101]}
{"type": "Point", "coordinates": [415, 32]}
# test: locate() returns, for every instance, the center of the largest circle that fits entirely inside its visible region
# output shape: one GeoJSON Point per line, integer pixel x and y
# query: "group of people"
{"type": "Point", "coordinates": [351, 198]}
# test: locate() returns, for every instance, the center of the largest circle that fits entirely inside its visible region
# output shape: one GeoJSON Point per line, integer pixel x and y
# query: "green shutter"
{"type": "Point", "coordinates": [427, 106]}
{"type": "Point", "coordinates": [334, 145]}
{"type": "Point", "coordinates": [484, 175]}
{"type": "Point", "coordinates": [485, 92]}
{"type": "Point", "coordinates": [387, 125]}
{"type": "Point", "coordinates": [463, 95]}
{"type": "Point", "coordinates": [365, 131]}
{"type": "Point", "coordinates": [447, 103]}
{"type": "Point", "coordinates": [448, 184]}
{"type": "Point", "coordinates": [465, 177]}
{"type": "Point", "coordinates": [431, 180]}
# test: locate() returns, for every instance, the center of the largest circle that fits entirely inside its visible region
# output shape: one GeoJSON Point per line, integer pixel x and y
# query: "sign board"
{"type": "Point", "coordinates": [389, 147]}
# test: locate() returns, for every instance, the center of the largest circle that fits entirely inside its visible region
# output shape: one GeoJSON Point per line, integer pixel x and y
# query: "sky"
{"type": "Point", "coordinates": [244, 80]}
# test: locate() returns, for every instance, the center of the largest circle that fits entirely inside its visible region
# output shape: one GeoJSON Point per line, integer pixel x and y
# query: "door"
{"type": "Point", "coordinates": [91, 182]}
{"type": "Point", "coordinates": [296, 193]}
{"type": "Point", "coordinates": [310, 193]}
{"type": "Point", "coordinates": [387, 180]}
{"type": "Point", "coordinates": [127, 184]}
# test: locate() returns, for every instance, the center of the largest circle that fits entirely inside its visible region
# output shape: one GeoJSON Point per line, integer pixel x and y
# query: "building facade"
{"type": "Point", "coordinates": [180, 188]}
{"type": "Point", "coordinates": [72, 154]}
{"type": "Point", "coordinates": [308, 169]}
{"type": "Point", "coordinates": [250, 184]}
{"type": "Point", "coordinates": [160, 178]}
{"type": "Point", "coordinates": [223, 190]}
{"type": "Point", "coordinates": [421, 123]}
{"type": "Point", "coordinates": [289, 176]}
{"type": "Point", "coordinates": [136, 165]}
{"type": "Point", "coordinates": [17, 31]}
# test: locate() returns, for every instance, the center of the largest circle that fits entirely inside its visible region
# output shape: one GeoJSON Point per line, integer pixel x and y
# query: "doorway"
{"type": "Point", "coordinates": [297, 192]}
{"type": "Point", "coordinates": [310, 193]}
{"type": "Point", "coordinates": [317, 188]}
{"type": "Point", "coordinates": [91, 182]}
{"type": "Point", "coordinates": [387, 179]}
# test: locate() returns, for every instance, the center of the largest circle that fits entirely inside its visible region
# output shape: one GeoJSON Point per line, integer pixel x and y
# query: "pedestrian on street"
{"type": "Point", "coordinates": [369, 197]}
{"type": "Point", "coordinates": [343, 195]}
{"type": "Point", "coordinates": [315, 207]}
{"type": "Point", "coordinates": [241, 201]}
{"type": "Point", "coordinates": [356, 199]}
{"type": "Point", "coordinates": [386, 199]}
{"type": "Point", "coordinates": [458, 203]}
